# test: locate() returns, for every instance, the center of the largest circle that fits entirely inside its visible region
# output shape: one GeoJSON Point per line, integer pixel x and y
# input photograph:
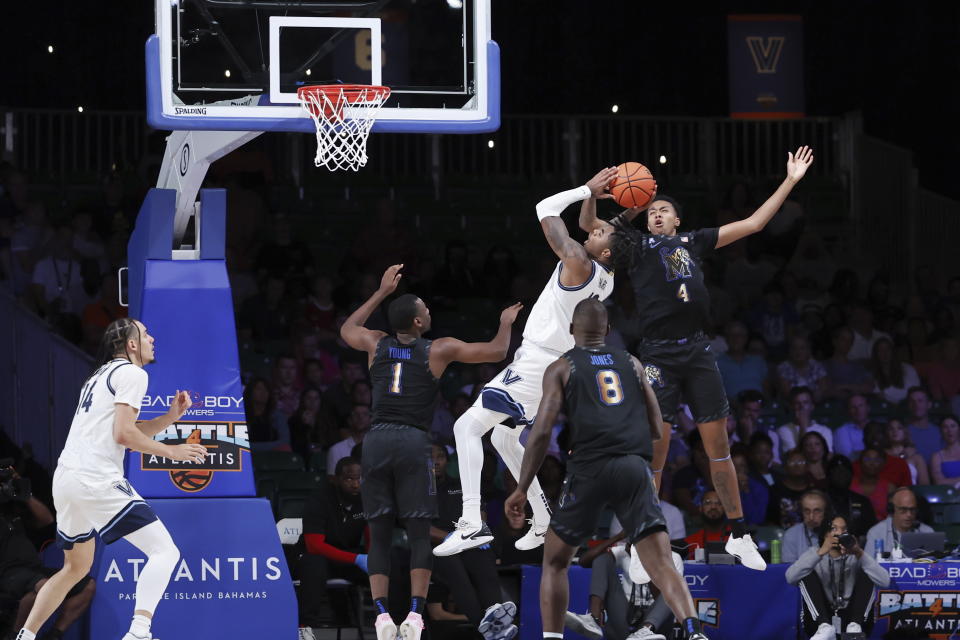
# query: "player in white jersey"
{"type": "Point", "coordinates": [582, 272]}
{"type": "Point", "coordinates": [89, 491]}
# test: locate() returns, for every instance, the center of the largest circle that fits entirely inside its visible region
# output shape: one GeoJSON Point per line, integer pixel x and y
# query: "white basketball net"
{"type": "Point", "coordinates": [343, 117]}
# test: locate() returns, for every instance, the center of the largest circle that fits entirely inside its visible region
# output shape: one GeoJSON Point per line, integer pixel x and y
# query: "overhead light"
{"type": "Point", "coordinates": [80, 109]}
{"type": "Point", "coordinates": [309, 72]}
{"type": "Point", "coordinates": [663, 159]}
{"type": "Point", "coordinates": [455, 4]}
{"type": "Point", "coordinates": [49, 48]}
{"type": "Point", "coordinates": [227, 73]}
{"type": "Point", "coordinates": [490, 144]}
{"type": "Point", "coordinates": [615, 108]}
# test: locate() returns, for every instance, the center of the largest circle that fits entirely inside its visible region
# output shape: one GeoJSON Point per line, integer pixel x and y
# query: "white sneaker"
{"type": "Point", "coordinates": [385, 627]}
{"type": "Point", "coordinates": [533, 538]}
{"type": "Point", "coordinates": [131, 636]}
{"type": "Point", "coordinates": [497, 618]}
{"type": "Point", "coordinates": [853, 627]}
{"type": "Point", "coordinates": [467, 535]}
{"type": "Point", "coordinates": [412, 627]}
{"type": "Point", "coordinates": [745, 549]}
{"type": "Point", "coordinates": [645, 633]}
{"type": "Point", "coordinates": [584, 624]}
{"type": "Point", "coordinates": [824, 632]}
{"type": "Point", "coordinates": [509, 633]}
{"type": "Point", "coordinates": [306, 633]}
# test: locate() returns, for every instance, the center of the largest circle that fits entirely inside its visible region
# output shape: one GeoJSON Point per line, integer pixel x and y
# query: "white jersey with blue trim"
{"type": "Point", "coordinates": [548, 325]}
{"type": "Point", "coordinates": [91, 446]}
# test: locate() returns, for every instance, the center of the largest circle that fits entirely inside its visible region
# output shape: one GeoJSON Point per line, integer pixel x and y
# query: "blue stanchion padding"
{"type": "Point", "coordinates": [732, 602]}
{"type": "Point", "coordinates": [231, 582]}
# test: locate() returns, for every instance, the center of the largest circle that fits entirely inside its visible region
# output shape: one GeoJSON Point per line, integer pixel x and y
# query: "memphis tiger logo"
{"type": "Point", "coordinates": [676, 261]}
{"type": "Point", "coordinates": [225, 443]}
{"type": "Point", "coordinates": [654, 375]}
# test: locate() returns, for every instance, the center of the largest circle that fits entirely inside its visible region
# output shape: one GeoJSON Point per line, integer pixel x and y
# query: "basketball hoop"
{"type": "Point", "coordinates": [343, 114]}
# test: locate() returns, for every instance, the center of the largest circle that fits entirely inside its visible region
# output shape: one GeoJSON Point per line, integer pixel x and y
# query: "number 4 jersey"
{"type": "Point", "coordinates": [671, 297]}
{"type": "Point", "coordinates": [606, 409]}
{"type": "Point", "coordinates": [91, 447]}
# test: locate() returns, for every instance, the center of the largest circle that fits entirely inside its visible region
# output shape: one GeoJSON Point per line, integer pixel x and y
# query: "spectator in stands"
{"type": "Point", "coordinates": [773, 319]}
{"type": "Point", "coordinates": [893, 377]}
{"type": "Point", "coordinates": [801, 370]}
{"type": "Point", "coordinates": [836, 579]}
{"type": "Point", "coordinates": [691, 481]}
{"type": "Point", "coordinates": [618, 604]}
{"type": "Point", "coordinates": [942, 377]}
{"type": "Point", "coordinates": [783, 507]}
{"type": "Point", "coordinates": [904, 518]}
{"type": "Point", "coordinates": [87, 243]}
{"type": "Point", "coordinates": [470, 576]}
{"type": "Point", "coordinates": [923, 432]}
{"type": "Point", "coordinates": [868, 481]}
{"type": "Point", "coordinates": [814, 505]}
{"type": "Point", "coordinates": [98, 314]}
{"type": "Point", "coordinates": [895, 470]}
{"type": "Point", "coordinates": [499, 270]}
{"type": "Point", "coordinates": [848, 439]}
{"type": "Point", "coordinates": [945, 464]}
{"type": "Point", "coordinates": [359, 425]}
{"type": "Point", "coordinates": [268, 312]}
{"type": "Point", "coordinates": [801, 404]}
{"type": "Point", "coordinates": [337, 401]}
{"type": "Point", "coordinates": [384, 241]}
{"type": "Point", "coordinates": [314, 374]}
{"type": "Point", "coordinates": [334, 534]}
{"type": "Point", "coordinates": [57, 281]}
{"type": "Point", "coordinates": [286, 257]}
{"type": "Point", "coordinates": [714, 521]}
{"type": "Point", "coordinates": [26, 524]}
{"type": "Point", "coordinates": [901, 446]}
{"type": "Point", "coordinates": [318, 311]}
{"type": "Point", "coordinates": [309, 348]}
{"type": "Point", "coordinates": [265, 424]}
{"type": "Point", "coordinates": [361, 392]}
{"type": "Point", "coordinates": [754, 494]}
{"type": "Point", "coordinates": [28, 244]}
{"type": "Point", "coordinates": [814, 448]}
{"type": "Point", "coordinates": [748, 408]}
{"type": "Point", "coordinates": [846, 376]}
{"type": "Point", "coordinates": [740, 370]}
{"type": "Point", "coordinates": [761, 458]}
{"type": "Point", "coordinates": [304, 425]}
{"type": "Point", "coordinates": [864, 334]}
{"type": "Point", "coordinates": [285, 388]}
{"type": "Point", "coordinates": [917, 348]}
{"type": "Point", "coordinates": [455, 278]}
{"type": "Point", "coordinates": [855, 505]}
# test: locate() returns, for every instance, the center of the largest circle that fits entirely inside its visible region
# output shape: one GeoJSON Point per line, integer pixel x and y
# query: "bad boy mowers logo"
{"type": "Point", "coordinates": [225, 443]}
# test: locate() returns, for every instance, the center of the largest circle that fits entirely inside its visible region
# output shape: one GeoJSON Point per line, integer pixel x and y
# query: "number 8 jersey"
{"type": "Point", "coordinates": [91, 447]}
{"type": "Point", "coordinates": [606, 409]}
{"type": "Point", "coordinates": [671, 297]}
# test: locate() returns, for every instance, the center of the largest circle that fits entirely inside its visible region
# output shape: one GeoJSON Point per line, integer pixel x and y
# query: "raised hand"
{"type": "Point", "coordinates": [799, 162]}
{"type": "Point", "coordinates": [600, 183]}
{"type": "Point", "coordinates": [509, 315]}
{"type": "Point", "coordinates": [391, 278]}
{"type": "Point", "coordinates": [181, 402]}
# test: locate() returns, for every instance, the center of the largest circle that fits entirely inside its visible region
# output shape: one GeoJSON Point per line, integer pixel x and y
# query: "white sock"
{"type": "Point", "coordinates": [26, 635]}
{"type": "Point", "coordinates": [467, 431]}
{"type": "Point", "coordinates": [140, 626]}
{"type": "Point", "coordinates": [507, 443]}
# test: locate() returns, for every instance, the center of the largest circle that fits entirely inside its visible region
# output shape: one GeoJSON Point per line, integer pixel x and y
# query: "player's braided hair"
{"type": "Point", "coordinates": [114, 340]}
{"type": "Point", "coordinates": [623, 244]}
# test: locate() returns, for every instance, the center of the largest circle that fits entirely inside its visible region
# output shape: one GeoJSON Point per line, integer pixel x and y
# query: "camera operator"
{"type": "Point", "coordinates": [836, 580]}
{"type": "Point", "coordinates": [25, 524]}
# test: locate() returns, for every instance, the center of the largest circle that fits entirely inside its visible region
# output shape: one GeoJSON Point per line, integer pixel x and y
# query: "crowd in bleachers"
{"type": "Point", "coordinates": [841, 379]}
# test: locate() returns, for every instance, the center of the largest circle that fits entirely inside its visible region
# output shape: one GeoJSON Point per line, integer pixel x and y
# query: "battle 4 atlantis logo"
{"type": "Point", "coordinates": [225, 443]}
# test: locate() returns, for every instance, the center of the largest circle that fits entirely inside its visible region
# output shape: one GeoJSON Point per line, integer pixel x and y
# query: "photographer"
{"type": "Point", "coordinates": [836, 580]}
{"type": "Point", "coordinates": [25, 524]}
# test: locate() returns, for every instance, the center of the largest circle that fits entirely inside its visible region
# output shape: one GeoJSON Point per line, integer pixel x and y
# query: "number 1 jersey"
{"type": "Point", "coordinates": [671, 297]}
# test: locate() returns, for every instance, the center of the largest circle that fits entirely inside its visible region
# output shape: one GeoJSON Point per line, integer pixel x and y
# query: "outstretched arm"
{"type": "Point", "coordinates": [539, 441]}
{"type": "Point", "coordinates": [447, 350]}
{"type": "Point", "coordinates": [588, 215]}
{"type": "Point", "coordinates": [353, 332]}
{"type": "Point", "coordinates": [797, 165]}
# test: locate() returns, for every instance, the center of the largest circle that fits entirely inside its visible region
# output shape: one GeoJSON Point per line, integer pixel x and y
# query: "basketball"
{"type": "Point", "coordinates": [634, 186]}
{"type": "Point", "coordinates": [191, 479]}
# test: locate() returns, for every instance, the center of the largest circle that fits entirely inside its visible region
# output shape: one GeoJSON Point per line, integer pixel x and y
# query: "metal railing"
{"type": "Point", "coordinates": [40, 379]}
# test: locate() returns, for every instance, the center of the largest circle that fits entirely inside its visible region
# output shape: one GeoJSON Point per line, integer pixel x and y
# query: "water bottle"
{"type": "Point", "coordinates": [878, 549]}
{"type": "Point", "coordinates": [775, 551]}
